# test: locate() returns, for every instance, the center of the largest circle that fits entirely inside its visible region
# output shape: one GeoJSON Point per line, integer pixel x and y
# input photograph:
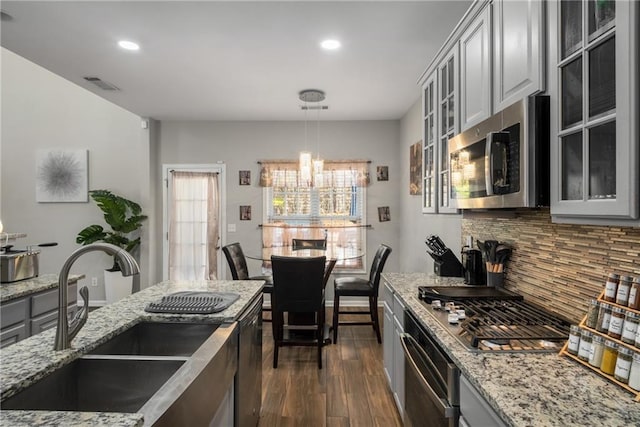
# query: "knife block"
{"type": "Point", "coordinates": [447, 265]}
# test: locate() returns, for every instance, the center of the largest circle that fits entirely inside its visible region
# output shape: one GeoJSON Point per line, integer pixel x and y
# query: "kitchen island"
{"type": "Point", "coordinates": [525, 389]}
{"type": "Point", "coordinates": [29, 360]}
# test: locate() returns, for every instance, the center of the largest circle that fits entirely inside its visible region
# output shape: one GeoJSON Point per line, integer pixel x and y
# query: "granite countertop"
{"type": "Point", "coordinates": [10, 291]}
{"type": "Point", "coordinates": [29, 360]}
{"type": "Point", "coordinates": [526, 389]}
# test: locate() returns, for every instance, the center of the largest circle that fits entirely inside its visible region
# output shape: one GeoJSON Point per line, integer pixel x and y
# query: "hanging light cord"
{"type": "Point", "coordinates": [318, 133]}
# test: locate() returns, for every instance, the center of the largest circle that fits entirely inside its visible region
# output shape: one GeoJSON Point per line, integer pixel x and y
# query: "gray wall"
{"type": "Point", "coordinates": [241, 144]}
{"type": "Point", "coordinates": [42, 110]}
{"type": "Point", "coordinates": [416, 225]}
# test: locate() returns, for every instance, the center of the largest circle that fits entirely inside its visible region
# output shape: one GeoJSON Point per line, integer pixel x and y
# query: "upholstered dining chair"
{"type": "Point", "coordinates": [239, 270]}
{"type": "Point", "coordinates": [298, 244]}
{"type": "Point", "coordinates": [360, 287]}
{"type": "Point", "coordinates": [298, 288]}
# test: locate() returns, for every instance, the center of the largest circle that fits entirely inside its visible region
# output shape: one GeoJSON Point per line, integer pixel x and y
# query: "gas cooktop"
{"type": "Point", "coordinates": [493, 319]}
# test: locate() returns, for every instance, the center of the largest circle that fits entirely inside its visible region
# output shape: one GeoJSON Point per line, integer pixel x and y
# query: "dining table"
{"type": "Point", "coordinates": [332, 253]}
{"type": "Point", "coordinates": [339, 253]}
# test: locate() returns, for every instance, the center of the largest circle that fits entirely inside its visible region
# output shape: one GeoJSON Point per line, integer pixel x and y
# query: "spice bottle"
{"type": "Point", "coordinates": [609, 356]}
{"type": "Point", "coordinates": [604, 318]}
{"type": "Point", "coordinates": [630, 327]}
{"type": "Point", "coordinates": [634, 374]}
{"type": "Point", "coordinates": [574, 340]}
{"type": "Point", "coordinates": [637, 341]}
{"type": "Point", "coordinates": [597, 348]}
{"type": "Point", "coordinates": [592, 314]}
{"type": "Point", "coordinates": [611, 287]}
{"type": "Point", "coordinates": [585, 345]}
{"type": "Point", "coordinates": [623, 365]}
{"type": "Point", "coordinates": [624, 286]}
{"type": "Point", "coordinates": [634, 294]}
{"type": "Point", "coordinates": [615, 325]}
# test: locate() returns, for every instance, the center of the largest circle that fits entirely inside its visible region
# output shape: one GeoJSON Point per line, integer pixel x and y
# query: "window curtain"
{"type": "Point", "coordinates": [336, 173]}
{"type": "Point", "coordinates": [193, 226]}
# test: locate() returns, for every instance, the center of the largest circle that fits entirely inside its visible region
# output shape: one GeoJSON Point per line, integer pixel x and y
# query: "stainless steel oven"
{"type": "Point", "coordinates": [432, 387]}
{"type": "Point", "coordinates": [503, 162]}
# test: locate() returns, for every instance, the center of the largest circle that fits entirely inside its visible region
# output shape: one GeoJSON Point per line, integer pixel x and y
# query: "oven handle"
{"type": "Point", "coordinates": [446, 409]}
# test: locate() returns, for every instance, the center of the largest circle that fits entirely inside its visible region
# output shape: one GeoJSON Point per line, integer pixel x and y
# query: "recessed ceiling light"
{"type": "Point", "coordinates": [125, 44]}
{"type": "Point", "coordinates": [330, 44]}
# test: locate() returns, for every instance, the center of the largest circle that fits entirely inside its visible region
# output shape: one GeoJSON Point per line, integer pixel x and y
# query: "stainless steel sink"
{"type": "Point", "coordinates": [172, 373]}
{"type": "Point", "coordinates": [158, 339]}
{"type": "Point", "coordinates": [97, 385]}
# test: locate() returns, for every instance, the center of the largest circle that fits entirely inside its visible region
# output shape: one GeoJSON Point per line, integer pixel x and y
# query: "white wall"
{"type": "Point", "coordinates": [42, 110]}
{"type": "Point", "coordinates": [416, 225]}
{"type": "Point", "coordinates": [241, 144]}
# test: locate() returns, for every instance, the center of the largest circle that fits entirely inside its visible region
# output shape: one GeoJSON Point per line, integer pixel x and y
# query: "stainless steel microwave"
{"type": "Point", "coordinates": [503, 162]}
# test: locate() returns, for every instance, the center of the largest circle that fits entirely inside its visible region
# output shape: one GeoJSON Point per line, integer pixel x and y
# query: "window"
{"type": "Point", "coordinates": [334, 209]}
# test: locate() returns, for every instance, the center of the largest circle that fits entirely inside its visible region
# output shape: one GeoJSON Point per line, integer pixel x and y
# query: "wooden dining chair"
{"type": "Point", "coordinates": [298, 244]}
{"type": "Point", "coordinates": [298, 288]}
{"type": "Point", "coordinates": [360, 287]}
{"type": "Point", "coordinates": [239, 270]}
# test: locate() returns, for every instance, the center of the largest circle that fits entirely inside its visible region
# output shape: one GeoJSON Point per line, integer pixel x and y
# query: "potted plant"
{"type": "Point", "coordinates": [125, 219]}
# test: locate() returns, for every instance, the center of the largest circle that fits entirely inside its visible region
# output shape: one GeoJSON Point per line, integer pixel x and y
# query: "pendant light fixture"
{"type": "Point", "coordinates": [311, 170]}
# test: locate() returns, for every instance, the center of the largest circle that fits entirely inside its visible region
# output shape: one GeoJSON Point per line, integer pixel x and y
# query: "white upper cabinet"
{"type": "Point", "coordinates": [594, 80]}
{"type": "Point", "coordinates": [475, 71]}
{"type": "Point", "coordinates": [518, 50]}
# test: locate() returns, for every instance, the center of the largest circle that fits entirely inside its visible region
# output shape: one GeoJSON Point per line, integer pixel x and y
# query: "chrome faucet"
{"type": "Point", "coordinates": [68, 329]}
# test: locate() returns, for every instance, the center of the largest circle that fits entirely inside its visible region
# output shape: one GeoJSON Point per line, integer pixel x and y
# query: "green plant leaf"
{"type": "Point", "coordinates": [122, 215]}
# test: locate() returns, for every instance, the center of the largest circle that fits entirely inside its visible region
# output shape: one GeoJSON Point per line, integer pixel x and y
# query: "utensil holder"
{"type": "Point", "coordinates": [495, 279]}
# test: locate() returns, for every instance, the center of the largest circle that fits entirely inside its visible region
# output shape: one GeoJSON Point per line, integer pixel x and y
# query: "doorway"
{"type": "Point", "coordinates": [193, 221]}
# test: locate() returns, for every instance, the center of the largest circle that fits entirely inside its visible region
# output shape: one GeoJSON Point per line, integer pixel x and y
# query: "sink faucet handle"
{"type": "Point", "coordinates": [80, 317]}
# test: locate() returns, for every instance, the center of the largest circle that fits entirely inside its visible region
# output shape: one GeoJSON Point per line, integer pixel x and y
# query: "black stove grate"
{"type": "Point", "coordinates": [500, 321]}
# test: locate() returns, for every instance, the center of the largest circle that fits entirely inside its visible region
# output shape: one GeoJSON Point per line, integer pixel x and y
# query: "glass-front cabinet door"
{"type": "Point", "coordinates": [595, 122]}
{"type": "Point", "coordinates": [440, 95]}
{"type": "Point", "coordinates": [448, 126]}
{"type": "Point", "coordinates": [429, 147]}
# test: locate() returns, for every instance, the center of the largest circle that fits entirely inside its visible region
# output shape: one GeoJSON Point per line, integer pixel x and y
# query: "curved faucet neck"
{"type": "Point", "coordinates": [65, 332]}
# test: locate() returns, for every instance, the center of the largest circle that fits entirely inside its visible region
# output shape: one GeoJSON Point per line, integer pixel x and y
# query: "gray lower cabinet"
{"type": "Point", "coordinates": [32, 314]}
{"type": "Point", "coordinates": [393, 356]}
{"type": "Point", "coordinates": [474, 409]}
{"type": "Point", "coordinates": [13, 334]}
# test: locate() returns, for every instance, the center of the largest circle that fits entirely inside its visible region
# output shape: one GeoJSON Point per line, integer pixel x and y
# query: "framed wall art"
{"type": "Point", "coordinates": [245, 213]}
{"type": "Point", "coordinates": [62, 176]}
{"type": "Point", "coordinates": [384, 214]}
{"type": "Point", "coordinates": [382, 173]}
{"type": "Point", "coordinates": [245, 177]}
{"type": "Point", "coordinates": [415, 168]}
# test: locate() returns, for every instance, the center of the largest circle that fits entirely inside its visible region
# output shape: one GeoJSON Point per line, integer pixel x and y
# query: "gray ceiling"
{"type": "Point", "coordinates": [238, 60]}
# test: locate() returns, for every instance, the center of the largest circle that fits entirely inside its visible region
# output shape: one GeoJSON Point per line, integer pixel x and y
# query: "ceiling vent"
{"type": "Point", "coordinates": [101, 83]}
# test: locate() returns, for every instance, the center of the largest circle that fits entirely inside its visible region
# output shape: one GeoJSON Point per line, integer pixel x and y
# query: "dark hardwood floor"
{"type": "Point", "coordinates": [350, 389]}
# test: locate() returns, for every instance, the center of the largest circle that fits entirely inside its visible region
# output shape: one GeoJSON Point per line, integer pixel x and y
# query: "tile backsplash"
{"type": "Point", "coordinates": [559, 266]}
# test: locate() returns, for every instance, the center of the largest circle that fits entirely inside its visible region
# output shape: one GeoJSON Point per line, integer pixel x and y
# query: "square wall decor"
{"type": "Point", "coordinates": [62, 175]}
{"type": "Point", "coordinates": [415, 168]}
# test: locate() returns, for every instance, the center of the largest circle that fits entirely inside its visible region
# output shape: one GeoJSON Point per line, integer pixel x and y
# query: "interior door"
{"type": "Point", "coordinates": [193, 222]}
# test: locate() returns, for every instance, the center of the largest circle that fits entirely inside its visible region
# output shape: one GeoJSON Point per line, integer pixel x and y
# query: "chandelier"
{"type": "Point", "coordinates": [311, 169]}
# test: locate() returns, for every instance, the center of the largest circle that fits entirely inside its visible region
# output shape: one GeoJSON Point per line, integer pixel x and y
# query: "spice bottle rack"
{"type": "Point", "coordinates": [582, 325]}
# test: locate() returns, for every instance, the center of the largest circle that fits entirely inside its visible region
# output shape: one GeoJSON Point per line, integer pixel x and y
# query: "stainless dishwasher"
{"type": "Point", "coordinates": [432, 386]}
{"type": "Point", "coordinates": [248, 380]}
